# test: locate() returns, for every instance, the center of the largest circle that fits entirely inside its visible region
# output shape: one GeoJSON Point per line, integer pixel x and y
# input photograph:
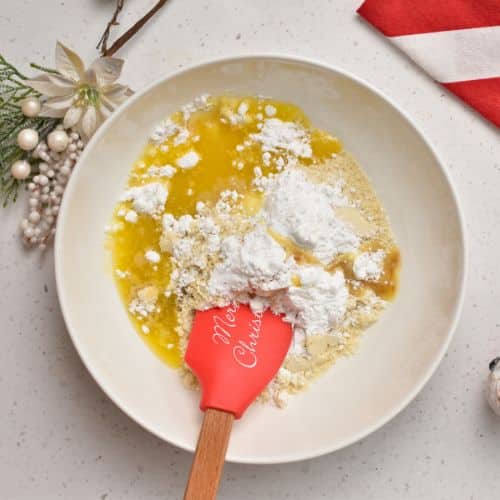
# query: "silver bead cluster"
{"type": "Point", "coordinates": [47, 188]}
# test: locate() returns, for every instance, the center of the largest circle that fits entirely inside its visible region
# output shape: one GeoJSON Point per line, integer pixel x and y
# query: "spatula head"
{"type": "Point", "coordinates": [235, 353]}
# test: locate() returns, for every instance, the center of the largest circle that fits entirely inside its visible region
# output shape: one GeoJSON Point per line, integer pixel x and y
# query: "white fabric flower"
{"type": "Point", "coordinates": [83, 98]}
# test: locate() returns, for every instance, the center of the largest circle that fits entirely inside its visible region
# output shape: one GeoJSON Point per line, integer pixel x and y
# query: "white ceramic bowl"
{"type": "Point", "coordinates": [397, 356]}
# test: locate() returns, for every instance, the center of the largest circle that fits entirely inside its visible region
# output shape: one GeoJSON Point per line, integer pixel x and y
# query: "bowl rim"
{"type": "Point", "coordinates": [327, 448]}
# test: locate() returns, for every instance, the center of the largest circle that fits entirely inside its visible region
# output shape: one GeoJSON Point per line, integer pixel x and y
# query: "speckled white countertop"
{"type": "Point", "coordinates": [60, 437]}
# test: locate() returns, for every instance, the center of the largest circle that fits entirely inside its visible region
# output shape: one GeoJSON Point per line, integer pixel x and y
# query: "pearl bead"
{"type": "Point", "coordinates": [65, 170]}
{"type": "Point", "coordinates": [28, 232]}
{"type": "Point", "coordinates": [43, 180]}
{"type": "Point", "coordinates": [58, 140]}
{"type": "Point", "coordinates": [25, 224]}
{"type": "Point", "coordinates": [33, 202]}
{"type": "Point", "coordinates": [27, 139]}
{"type": "Point", "coordinates": [34, 217]}
{"type": "Point", "coordinates": [44, 198]}
{"type": "Point", "coordinates": [31, 107]}
{"type": "Point", "coordinates": [43, 167]}
{"type": "Point", "coordinates": [20, 169]}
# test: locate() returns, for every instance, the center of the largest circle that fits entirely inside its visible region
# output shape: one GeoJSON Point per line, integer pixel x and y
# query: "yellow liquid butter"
{"type": "Point", "coordinates": [223, 165]}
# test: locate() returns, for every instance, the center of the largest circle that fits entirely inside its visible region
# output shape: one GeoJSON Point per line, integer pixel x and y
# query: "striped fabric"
{"type": "Point", "coordinates": [457, 42]}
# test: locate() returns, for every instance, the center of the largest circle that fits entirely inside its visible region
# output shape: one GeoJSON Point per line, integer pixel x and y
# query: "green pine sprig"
{"type": "Point", "coordinates": [13, 89]}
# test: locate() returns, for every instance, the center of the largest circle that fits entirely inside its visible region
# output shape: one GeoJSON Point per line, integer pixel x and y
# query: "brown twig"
{"type": "Point", "coordinates": [121, 41]}
{"type": "Point", "coordinates": [103, 42]}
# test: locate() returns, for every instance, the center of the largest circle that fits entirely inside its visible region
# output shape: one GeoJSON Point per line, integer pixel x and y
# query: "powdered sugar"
{"type": "Point", "coordinates": [200, 102]}
{"type": "Point", "coordinates": [255, 269]}
{"type": "Point", "coordinates": [131, 216]}
{"type": "Point", "coordinates": [181, 137]}
{"type": "Point", "coordinates": [164, 171]}
{"type": "Point", "coordinates": [314, 225]}
{"type": "Point", "coordinates": [242, 109]}
{"type": "Point", "coordinates": [148, 199]}
{"type": "Point", "coordinates": [122, 274]}
{"type": "Point", "coordinates": [182, 248]}
{"type": "Point", "coordinates": [226, 201]}
{"type": "Point", "coordinates": [270, 110]}
{"type": "Point", "coordinates": [278, 136]}
{"type": "Point", "coordinates": [164, 130]}
{"type": "Point", "coordinates": [145, 302]}
{"type": "Point", "coordinates": [169, 128]}
{"type": "Point", "coordinates": [152, 256]}
{"type": "Point", "coordinates": [138, 307]}
{"type": "Point", "coordinates": [252, 264]}
{"type": "Point", "coordinates": [189, 160]}
{"type": "Point", "coordinates": [368, 266]}
{"type": "Point", "coordinates": [319, 303]}
{"type": "Point", "coordinates": [183, 224]}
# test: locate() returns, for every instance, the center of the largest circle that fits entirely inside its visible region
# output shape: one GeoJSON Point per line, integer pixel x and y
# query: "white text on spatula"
{"type": "Point", "coordinates": [244, 352]}
{"type": "Point", "coordinates": [222, 325]}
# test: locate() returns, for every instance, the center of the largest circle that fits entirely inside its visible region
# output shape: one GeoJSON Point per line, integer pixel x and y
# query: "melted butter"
{"type": "Point", "coordinates": [252, 202]}
{"type": "Point", "coordinates": [128, 247]}
{"type": "Point", "coordinates": [223, 165]}
{"type": "Point", "coordinates": [386, 286]}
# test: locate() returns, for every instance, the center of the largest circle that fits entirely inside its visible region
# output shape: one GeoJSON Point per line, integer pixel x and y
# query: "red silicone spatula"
{"type": "Point", "coordinates": [234, 353]}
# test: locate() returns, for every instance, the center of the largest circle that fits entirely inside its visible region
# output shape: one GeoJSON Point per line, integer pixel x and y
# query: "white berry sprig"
{"type": "Point", "coordinates": [58, 156]}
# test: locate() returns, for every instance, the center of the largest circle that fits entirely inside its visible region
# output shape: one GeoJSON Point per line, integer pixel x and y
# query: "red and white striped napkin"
{"type": "Point", "coordinates": [457, 42]}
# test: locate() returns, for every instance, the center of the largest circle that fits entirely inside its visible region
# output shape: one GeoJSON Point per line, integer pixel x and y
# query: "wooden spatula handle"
{"type": "Point", "coordinates": [210, 454]}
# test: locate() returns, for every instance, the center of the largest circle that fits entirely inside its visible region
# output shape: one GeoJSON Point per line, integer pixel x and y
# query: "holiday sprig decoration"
{"type": "Point", "coordinates": [46, 121]}
{"type": "Point", "coordinates": [76, 100]}
{"type": "Point", "coordinates": [19, 111]}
